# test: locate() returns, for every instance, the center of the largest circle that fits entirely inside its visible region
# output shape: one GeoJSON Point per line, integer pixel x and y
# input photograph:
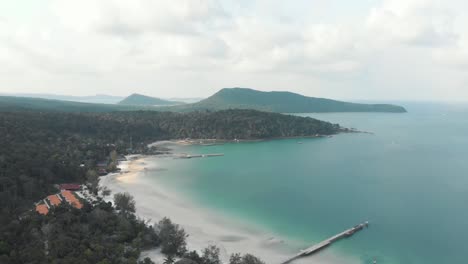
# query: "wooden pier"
{"type": "Point", "coordinates": [317, 247]}
{"type": "Point", "coordinates": [188, 156]}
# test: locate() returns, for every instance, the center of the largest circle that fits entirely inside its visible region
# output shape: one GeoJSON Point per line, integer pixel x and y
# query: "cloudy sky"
{"type": "Point", "coordinates": [360, 49]}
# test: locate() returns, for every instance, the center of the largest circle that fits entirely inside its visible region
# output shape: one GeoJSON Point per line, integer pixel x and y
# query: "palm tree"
{"type": "Point", "coordinates": [169, 260]}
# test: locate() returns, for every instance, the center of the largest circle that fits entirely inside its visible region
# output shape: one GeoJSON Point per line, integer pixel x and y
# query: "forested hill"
{"type": "Point", "coordinates": [139, 99]}
{"type": "Point", "coordinates": [281, 102]}
{"type": "Point", "coordinates": [13, 103]}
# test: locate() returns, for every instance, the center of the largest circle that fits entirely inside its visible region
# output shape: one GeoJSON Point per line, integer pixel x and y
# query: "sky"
{"type": "Point", "coordinates": [341, 49]}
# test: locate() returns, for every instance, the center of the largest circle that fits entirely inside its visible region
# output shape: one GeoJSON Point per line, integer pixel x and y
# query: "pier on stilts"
{"type": "Point", "coordinates": [317, 247]}
{"type": "Point", "coordinates": [190, 156]}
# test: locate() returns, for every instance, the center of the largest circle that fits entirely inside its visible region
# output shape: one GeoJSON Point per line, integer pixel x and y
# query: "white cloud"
{"type": "Point", "coordinates": [122, 17]}
{"type": "Point", "coordinates": [414, 22]}
{"type": "Point", "coordinates": [455, 56]}
{"type": "Point", "coordinates": [204, 45]}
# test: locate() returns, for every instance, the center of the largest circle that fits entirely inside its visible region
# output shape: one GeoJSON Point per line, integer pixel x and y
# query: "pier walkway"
{"type": "Point", "coordinates": [317, 247]}
{"type": "Point", "coordinates": [189, 156]}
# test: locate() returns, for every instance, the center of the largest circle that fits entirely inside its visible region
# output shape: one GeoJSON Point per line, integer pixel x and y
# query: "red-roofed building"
{"type": "Point", "coordinates": [54, 200]}
{"type": "Point", "coordinates": [70, 186]}
{"type": "Point", "coordinates": [42, 209]}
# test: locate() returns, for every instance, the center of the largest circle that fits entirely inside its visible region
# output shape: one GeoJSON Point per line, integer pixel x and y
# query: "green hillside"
{"type": "Point", "coordinates": [11, 103]}
{"type": "Point", "coordinates": [139, 99]}
{"type": "Point", "coordinates": [281, 102]}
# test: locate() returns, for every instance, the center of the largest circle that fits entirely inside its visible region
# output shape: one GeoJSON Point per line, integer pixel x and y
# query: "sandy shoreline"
{"type": "Point", "coordinates": [205, 227]}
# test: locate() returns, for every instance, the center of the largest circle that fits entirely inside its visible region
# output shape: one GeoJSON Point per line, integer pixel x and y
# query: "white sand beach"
{"type": "Point", "coordinates": [204, 226]}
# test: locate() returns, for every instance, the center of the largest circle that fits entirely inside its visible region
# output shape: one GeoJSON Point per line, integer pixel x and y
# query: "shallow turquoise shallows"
{"type": "Point", "coordinates": [409, 179]}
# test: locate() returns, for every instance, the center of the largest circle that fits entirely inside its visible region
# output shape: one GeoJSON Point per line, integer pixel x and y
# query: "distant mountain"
{"type": "Point", "coordinates": [12, 103]}
{"type": "Point", "coordinates": [281, 102]}
{"type": "Point", "coordinates": [139, 99]}
{"type": "Point", "coordinates": [228, 98]}
{"type": "Point", "coordinates": [98, 98]}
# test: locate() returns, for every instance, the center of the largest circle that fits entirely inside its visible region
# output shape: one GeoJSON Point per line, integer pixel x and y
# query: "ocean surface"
{"type": "Point", "coordinates": [409, 179]}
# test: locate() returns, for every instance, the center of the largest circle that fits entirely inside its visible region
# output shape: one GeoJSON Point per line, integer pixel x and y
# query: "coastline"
{"type": "Point", "coordinates": [204, 226]}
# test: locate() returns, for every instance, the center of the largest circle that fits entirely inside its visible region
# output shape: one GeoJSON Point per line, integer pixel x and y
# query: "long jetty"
{"type": "Point", "coordinates": [327, 242]}
{"type": "Point", "coordinates": [188, 156]}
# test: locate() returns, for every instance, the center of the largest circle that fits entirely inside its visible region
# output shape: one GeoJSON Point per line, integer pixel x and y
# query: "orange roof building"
{"type": "Point", "coordinates": [70, 197]}
{"type": "Point", "coordinates": [42, 209]}
{"type": "Point", "coordinates": [54, 200]}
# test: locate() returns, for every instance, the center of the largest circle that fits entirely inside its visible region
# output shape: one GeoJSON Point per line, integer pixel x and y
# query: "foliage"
{"type": "Point", "coordinates": [246, 259]}
{"type": "Point", "coordinates": [124, 202]}
{"type": "Point", "coordinates": [169, 260]}
{"type": "Point", "coordinates": [92, 181]}
{"type": "Point", "coordinates": [194, 256]}
{"type": "Point", "coordinates": [172, 238]}
{"type": "Point", "coordinates": [94, 234]}
{"type": "Point", "coordinates": [211, 255]}
{"type": "Point", "coordinates": [146, 261]}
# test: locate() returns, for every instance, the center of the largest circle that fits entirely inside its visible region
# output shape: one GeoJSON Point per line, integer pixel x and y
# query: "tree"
{"type": "Point", "coordinates": [246, 259]}
{"type": "Point", "coordinates": [113, 158]}
{"type": "Point", "coordinates": [105, 191]}
{"type": "Point", "coordinates": [211, 255]}
{"type": "Point", "coordinates": [124, 202]}
{"type": "Point", "coordinates": [193, 255]}
{"type": "Point", "coordinates": [169, 260]}
{"type": "Point", "coordinates": [250, 259]}
{"type": "Point", "coordinates": [235, 259]}
{"type": "Point", "coordinates": [172, 238]}
{"type": "Point", "coordinates": [146, 261]}
{"type": "Point", "coordinates": [92, 179]}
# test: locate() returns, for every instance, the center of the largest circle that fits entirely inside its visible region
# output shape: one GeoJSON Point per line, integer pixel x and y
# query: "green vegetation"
{"type": "Point", "coordinates": [40, 149]}
{"type": "Point", "coordinates": [11, 103]}
{"type": "Point", "coordinates": [138, 99]}
{"type": "Point", "coordinates": [124, 202]}
{"type": "Point", "coordinates": [95, 234]}
{"type": "Point", "coordinates": [280, 102]}
{"type": "Point", "coordinates": [172, 238]}
{"type": "Point", "coordinates": [98, 98]}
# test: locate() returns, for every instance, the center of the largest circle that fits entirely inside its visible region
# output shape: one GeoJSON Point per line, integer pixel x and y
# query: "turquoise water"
{"type": "Point", "coordinates": [410, 179]}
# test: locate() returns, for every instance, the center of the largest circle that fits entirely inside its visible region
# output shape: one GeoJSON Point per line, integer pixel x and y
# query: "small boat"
{"type": "Point", "coordinates": [299, 142]}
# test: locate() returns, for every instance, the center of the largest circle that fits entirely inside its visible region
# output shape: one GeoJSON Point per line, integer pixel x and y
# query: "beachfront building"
{"type": "Point", "coordinates": [69, 196]}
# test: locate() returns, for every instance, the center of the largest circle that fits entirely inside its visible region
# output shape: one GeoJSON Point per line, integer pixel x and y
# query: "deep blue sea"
{"type": "Point", "coordinates": [409, 179]}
